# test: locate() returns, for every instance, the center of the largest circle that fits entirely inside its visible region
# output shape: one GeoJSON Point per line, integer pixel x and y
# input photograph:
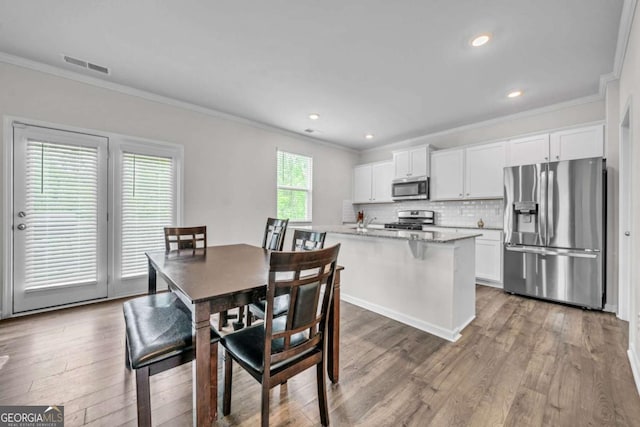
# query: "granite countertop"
{"type": "Point", "coordinates": [425, 236]}
{"type": "Point", "coordinates": [467, 227]}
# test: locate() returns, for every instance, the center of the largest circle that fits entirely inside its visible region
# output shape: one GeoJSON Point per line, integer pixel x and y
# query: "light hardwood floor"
{"type": "Point", "coordinates": [521, 362]}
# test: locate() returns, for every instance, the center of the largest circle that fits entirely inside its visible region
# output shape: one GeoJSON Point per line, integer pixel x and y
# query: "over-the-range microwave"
{"type": "Point", "coordinates": [414, 188]}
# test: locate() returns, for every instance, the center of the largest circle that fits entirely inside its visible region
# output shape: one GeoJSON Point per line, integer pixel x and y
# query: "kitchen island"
{"type": "Point", "coordinates": [424, 279]}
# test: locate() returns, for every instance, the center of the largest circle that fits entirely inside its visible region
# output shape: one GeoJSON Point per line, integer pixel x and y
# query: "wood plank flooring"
{"type": "Point", "coordinates": [521, 362]}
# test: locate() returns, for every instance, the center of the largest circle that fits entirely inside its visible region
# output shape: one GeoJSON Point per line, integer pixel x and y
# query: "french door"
{"type": "Point", "coordinates": [59, 217]}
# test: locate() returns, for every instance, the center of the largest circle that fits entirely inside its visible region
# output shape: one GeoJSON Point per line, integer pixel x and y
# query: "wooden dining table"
{"type": "Point", "coordinates": [217, 278]}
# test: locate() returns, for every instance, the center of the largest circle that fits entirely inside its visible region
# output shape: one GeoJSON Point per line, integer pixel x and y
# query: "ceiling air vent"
{"type": "Point", "coordinates": [85, 64]}
{"type": "Point", "coordinates": [312, 131]}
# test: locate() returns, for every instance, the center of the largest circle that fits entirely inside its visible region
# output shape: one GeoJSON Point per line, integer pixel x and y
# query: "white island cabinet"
{"type": "Point", "coordinates": [423, 279]}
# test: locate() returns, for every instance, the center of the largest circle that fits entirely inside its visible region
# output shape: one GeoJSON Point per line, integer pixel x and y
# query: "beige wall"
{"type": "Point", "coordinates": [229, 167]}
{"type": "Point", "coordinates": [499, 129]}
{"type": "Point", "coordinates": [630, 93]}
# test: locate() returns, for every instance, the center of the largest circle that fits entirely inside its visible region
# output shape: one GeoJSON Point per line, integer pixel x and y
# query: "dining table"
{"type": "Point", "coordinates": [218, 278]}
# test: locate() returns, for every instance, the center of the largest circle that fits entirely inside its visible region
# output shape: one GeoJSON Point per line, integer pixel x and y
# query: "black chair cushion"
{"type": "Point", "coordinates": [247, 345]}
{"type": "Point", "coordinates": [280, 307]}
{"type": "Point", "coordinates": [158, 327]}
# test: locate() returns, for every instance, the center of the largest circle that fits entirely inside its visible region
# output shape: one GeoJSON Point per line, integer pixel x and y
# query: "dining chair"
{"type": "Point", "coordinates": [303, 240]}
{"type": "Point", "coordinates": [185, 237]}
{"type": "Point", "coordinates": [281, 347]}
{"type": "Point", "coordinates": [273, 239]}
{"type": "Point", "coordinates": [159, 335]}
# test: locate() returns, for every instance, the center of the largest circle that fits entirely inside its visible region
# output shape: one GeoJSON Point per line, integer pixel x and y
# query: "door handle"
{"type": "Point", "coordinates": [627, 233]}
{"type": "Point", "coordinates": [22, 227]}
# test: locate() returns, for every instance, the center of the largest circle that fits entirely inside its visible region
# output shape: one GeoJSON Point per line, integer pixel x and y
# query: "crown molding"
{"type": "Point", "coordinates": [498, 120]}
{"type": "Point", "coordinates": [624, 31]}
{"type": "Point", "coordinates": [150, 96]}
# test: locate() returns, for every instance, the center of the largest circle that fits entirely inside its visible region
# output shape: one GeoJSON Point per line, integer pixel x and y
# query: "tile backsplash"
{"type": "Point", "coordinates": [460, 213]}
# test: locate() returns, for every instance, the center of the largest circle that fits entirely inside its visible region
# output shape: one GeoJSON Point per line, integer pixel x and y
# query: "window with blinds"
{"type": "Point", "coordinates": [294, 186]}
{"type": "Point", "coordinates": [61, 198]}
{"type": "Point", "coordinates": [148, 205]}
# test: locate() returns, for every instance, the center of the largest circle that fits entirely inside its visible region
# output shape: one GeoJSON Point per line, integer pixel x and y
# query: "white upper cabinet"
{"type": "Point", "coordinates": [529, 150]}
{"type": "Point", "coordinates": [571, 144]}
{"type": "Point", "coordinates": [468, 173]}
{"type": "Point", "coordinates": [579, 143]}
{"type": "Point", "coordinates": [372, 183]}
{"type": "Point", "coordinates": [412, 162]}
{"type": "Point", "coordinates": [447, 169]}
{"type": "Point", "coordinates": [484, 166]}
{"type": "Point", "coordinates": [382, 175]}
{"type": "Point", "coordinates": [362, 181]}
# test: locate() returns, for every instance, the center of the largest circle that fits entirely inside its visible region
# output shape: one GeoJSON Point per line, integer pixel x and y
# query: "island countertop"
{"type": "Point", "coordinates": [425, 236]}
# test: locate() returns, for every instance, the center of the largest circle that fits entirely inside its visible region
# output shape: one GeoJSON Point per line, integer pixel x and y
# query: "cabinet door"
{"type": "Point", "coordinates": [484, 166]}
{"type": "Point", "coordinates": [382, 175]}
{"type": "Point", "coordinates": [419, 162]}
{"type": "Point", "coordinates": [446, 175]}
{"type": "Point", "coordinates": [488, 259]}
{"type": "Point", "coordinates": [401, 162]}
{"type": "Point", "coordinates": [362, 184]}
{"type": "Point", "coordinates": [529, 150]}
{"type": "Point", "coordinates": [577, 143]}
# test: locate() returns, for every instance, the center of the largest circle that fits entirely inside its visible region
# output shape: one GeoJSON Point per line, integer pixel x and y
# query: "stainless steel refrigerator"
{"type": "Point", "coordinates": [554, 216]}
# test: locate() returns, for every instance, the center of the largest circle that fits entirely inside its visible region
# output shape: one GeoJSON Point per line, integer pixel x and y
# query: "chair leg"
{"type": "Point", "coordinates": [249, 317]}
{"type": "Point", "coordinates": [322, 394]}
{"type": "Point", "coordinates": [143, 397]}
{"type": "Point", "coordinates": [222, 320]}
{"type": "Point", "coordinates": [265, 403]}
{"type": "Point", "coordinates": [214, 381]}
{"type": "Point", "coordinates": [127, 361]}
{"type": "Point", "coordinates": [226, 398]}
{"type": "Point", "coordinates": [239, 324]}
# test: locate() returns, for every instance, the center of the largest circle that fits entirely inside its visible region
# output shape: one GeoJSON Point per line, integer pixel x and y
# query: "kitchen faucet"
{"type": "Point", "coordinates": [368, 221]}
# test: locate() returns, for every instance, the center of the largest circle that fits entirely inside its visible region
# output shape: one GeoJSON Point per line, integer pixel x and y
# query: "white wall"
{"type": "Point", "coordinates": [229, 167]}
{"type": "Point", "coordinates": [499, 129]}
{"type": "Point", "coordinates": [612, 131]}
{"type": "Point", "coordinates": [630, 92]}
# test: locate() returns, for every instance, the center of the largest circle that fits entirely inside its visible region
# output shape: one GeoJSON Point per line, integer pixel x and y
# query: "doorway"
{"type": "Point", "coordinates": [59, 231]}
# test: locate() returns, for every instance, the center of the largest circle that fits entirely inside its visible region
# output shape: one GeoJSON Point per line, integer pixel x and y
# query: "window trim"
{"type": "Point", "coordinates": [309, 190]}
{"type": "Point", "coordinates": [115, 288]}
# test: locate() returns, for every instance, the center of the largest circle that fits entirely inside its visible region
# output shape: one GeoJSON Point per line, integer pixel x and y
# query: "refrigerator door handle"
{"type": "Point", "coordinates": [592, 254]}
{"type": "Point", "coordinates": [542, 214]}
{"type": "Point", "coordinates": [550, 213]}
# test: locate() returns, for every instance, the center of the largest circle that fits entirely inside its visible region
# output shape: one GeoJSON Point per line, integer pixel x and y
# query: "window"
{"type": "Point", "coordinates": [148, 205]}
{"type": "Point", "coordinates": [294, 186]}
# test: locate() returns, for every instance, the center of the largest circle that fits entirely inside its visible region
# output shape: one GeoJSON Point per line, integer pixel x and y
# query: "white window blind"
{"type": "Point", "coordinates": [294, 186]}
{"type": "Point", "coordinates": [61, 199]}
{"type": "Point", "coordinates": [148, 205]}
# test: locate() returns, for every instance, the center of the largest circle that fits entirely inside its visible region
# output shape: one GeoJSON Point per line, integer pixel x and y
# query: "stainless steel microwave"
{"type": "Point", "coordinates": [414, 188]}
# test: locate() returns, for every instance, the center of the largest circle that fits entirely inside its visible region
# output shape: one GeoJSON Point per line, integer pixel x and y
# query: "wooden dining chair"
{"type": "Point", "coordinates": [303, 240]}
{"type": "Point", "coordinates": [282, 347]}
{"type": "Point", "coordinates": [185, 237]}
{"type": "Point", "coordinates": [159, 336]}
{"type": "Point", "coordinates": [273, 239]}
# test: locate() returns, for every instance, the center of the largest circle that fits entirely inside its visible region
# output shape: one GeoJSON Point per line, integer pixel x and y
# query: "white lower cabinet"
{"type": "Point", "coordinates": [488, 252]}
{"type": "Point", "coordinates": [489, 256]}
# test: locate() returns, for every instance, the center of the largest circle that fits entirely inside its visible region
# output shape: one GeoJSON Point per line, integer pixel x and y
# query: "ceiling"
{"type": "Point", "coordinates": [396, 69]}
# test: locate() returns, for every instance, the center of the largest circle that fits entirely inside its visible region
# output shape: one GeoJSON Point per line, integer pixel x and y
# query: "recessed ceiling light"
{"type": "Point", "coordinates": [314, 116]}
{"type": "Point", "coordinates": [480, 40]}
{"type": "Point", "coordinates": [368, 136]}
{"type": "Point", "coordinates": [514, 94]}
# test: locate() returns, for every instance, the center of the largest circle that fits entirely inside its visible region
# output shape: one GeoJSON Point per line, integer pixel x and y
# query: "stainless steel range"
{"type": "Point", "coordinates": [412, 220]}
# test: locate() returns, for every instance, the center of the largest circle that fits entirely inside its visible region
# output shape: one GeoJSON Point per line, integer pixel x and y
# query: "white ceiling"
{"type": "Point", "coordinates": [397, 69]}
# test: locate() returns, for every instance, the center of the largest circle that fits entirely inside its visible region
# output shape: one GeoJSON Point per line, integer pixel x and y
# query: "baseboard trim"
{"type": "Point", "coordinates": [496, 285]}
{"type": "Point", "coordinates": [635, 367]}
{"type": "Point", "coordinates": [448, 334]}
{"type": "Point", "coordinates": [611, 308]}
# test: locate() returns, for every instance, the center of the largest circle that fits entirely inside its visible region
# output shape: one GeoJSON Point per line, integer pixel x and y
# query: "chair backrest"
{"type": "Point", "coordinates": [302, 275]}
{"type": "Point", "coordinates": [274, 234]}
{"type": "Point", "coordinates": [304, 240]}
{"type": "Point", "coordinates": [176, 238]}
